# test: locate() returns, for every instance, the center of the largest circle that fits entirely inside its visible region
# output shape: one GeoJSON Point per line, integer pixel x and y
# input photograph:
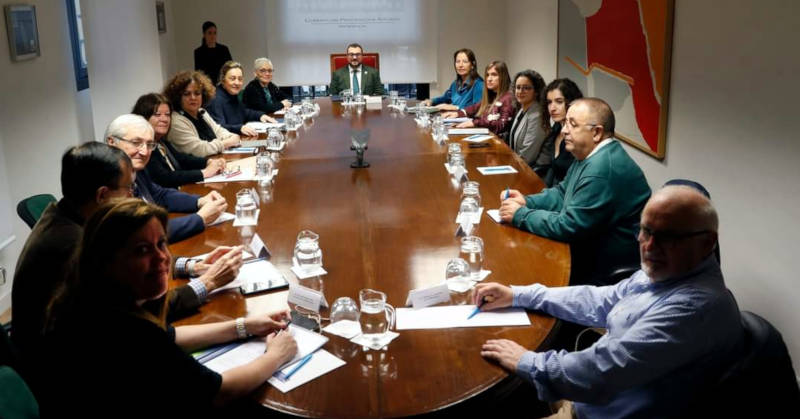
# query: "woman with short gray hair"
{"type": "Point", "coordinates": [261, 94]}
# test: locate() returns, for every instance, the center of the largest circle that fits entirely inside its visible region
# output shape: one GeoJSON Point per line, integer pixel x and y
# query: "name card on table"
{"type": "Point", "coordinates": [305, 297]}
{"type": "Point", "coordinates": [460, 174]}
{"type": "Point", "coordinates": [258, 248]}
{"type": "Point", "coordinates": [424, 297]}
{"type": "Point", "coordinates": [464, 227]}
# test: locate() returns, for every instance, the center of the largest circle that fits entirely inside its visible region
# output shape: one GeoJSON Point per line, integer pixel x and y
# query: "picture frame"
{"type": "Point", "coordinates": [628, 67]}
{"type": "Point", "coordinates": [161, 17]}
{"type": "Point", "coordinates": [23, 32]}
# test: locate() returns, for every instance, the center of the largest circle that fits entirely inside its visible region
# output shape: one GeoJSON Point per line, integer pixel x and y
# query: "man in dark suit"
{"type": "Point", "coordinates": [134, 135]}
{"type": "Point", "coordinates": [358, 77]}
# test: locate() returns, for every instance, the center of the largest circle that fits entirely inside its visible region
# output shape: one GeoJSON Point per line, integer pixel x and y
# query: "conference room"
{"type": "Point", "coordinates": [391, 227]}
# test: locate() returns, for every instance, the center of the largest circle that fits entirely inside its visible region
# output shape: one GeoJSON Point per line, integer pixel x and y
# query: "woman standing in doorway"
{"type": "Point", "coordinates": [210, 56]}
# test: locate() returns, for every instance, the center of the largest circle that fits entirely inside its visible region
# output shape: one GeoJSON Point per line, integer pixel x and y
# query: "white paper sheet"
{"type": "Point", "coordinates": [443, 317]}
{"type": "Point", "coordinates": [225, 216]}
{"type": "Point", "coordinates": [347, 329]}
{"type": "Point", "coordinates": [321, 363]}
{"type": "Point", "coordinates": [467, 131]}
{"type": "Point", "coordinates": [241, 150]}
{"type": "Point", "coordinates": [494, 214]}
{"type": "Point", "coordinates": [496, 170]}
{"type": "Point", "coordinates": [477, 138]}
{"type": "Point", "coordinates": [307, 342]}
{"type": "Point", "coordinates": [456, 120]}
{"type": "Point", "coordinates": [308, 273]}
{"type": "Point", "coordinates": [244, 176]}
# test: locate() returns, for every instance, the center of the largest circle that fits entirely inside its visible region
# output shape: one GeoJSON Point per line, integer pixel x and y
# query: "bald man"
{"type": "Point", "coordinates": [596, 207]}
{"type": "Point", "coordinates": [673, 327]}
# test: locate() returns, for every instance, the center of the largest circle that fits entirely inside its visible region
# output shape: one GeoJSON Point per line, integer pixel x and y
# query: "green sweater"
{"type": "Point", "coordinates": [594, 209]}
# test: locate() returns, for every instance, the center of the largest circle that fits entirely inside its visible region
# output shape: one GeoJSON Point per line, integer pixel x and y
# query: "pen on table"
{"type": "Point", "coordinates": [508, 192]}
{"type": "Point", "coordinates": [298, 365]}
{"type": "Point", "coordinates": [253, 260]}
{"type": "Point", "coordinates": [232, 174]}
{"type": "Point", "coordinates": [495, 169]}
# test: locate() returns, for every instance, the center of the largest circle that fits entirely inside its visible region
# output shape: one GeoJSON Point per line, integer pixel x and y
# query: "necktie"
{"type": "Point", "coordinates": [355, 83]}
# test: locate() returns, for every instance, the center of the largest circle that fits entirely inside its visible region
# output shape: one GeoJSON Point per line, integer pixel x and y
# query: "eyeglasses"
{"type": "Point", "coordinates": [644, 234]}
{"type": "Point", "coordinates": [149, 145]}
{"type": "Point", "coordinates": [354, 54]}
{"type": "Point", "coordinates": [521, 87]}
{"type": "Point", "coordinates": [265, 71]}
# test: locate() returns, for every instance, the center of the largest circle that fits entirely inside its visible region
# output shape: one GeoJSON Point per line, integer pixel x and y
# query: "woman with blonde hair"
{"type": "Point", "coordinates": [227, 109]}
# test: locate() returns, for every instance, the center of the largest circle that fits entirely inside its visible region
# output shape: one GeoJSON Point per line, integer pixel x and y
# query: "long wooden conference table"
{"type": "Point", "coordinates": [389, 227]}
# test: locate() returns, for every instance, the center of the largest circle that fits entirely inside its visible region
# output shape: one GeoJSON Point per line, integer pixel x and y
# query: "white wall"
{"type": "Point", "coordinates": [732, 127]}
{"type": "Point", "coordinates": [532, 36]}
{"type": "Point", "coordinates": [475, 24]}
{"type": "Point", "coordinates": [241, 26]}
{"type": "Point", "coordinates": [123, 51]}
{"type": "Point", "coordinates": [38, 120]}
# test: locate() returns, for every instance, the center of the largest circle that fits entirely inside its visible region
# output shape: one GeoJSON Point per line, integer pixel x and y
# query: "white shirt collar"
{"type": "Point", "coordinates": [357, 69]}
{"type": "Point", "coordinates": [602, 144]}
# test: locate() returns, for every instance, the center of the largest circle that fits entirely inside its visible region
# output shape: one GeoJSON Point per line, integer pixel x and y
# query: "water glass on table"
{"type": "Point", "coordinates": [472, 252]}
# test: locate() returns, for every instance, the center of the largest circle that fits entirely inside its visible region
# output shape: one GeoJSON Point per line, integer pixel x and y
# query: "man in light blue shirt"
{"type": "Point", "coordinates": [673, 326]}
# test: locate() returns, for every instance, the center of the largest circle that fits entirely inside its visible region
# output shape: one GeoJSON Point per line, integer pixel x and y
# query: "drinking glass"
{"type": "Point", "coordinates": [264, 167]}
{"type": "Point", "coordinates": [347, 96]}
{"type": "Point", "coordinates": [306, 251]}
{"type": "Point", "coordinates": [377, 317]}
{"type": "Point", "coordinates": [458, 280]}
{"type": "Point", "coordinates": [246, 207]}
{"type": "Point", "coordinates": [456, 160]}
{"type": "Point", "coordinates": [472, 252]}
{"type": "Point", "coordinates": [393, 97]}
{"type": "Point", "coordinates": [344, 308]}
{"type": "Point", "coordinates": [452, 149]}
{"type": "Point", "coordinates": [469, 209]}
{"type": "Point", "coordinates": [472, 190]}
{"type": "Point", "coordinates": [274, 139]}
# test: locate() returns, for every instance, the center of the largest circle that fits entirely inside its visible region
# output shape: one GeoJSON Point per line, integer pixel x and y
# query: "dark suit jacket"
{"type": "Point", "coordinates": [226, 109]}
{"type": "Point", "coordinates": [253, 97]}
{"type": "Point", "coordinates": [187, 167]}
{"type": "Point", "coordinates": [370, 81]}
{"type": "Point", "coordinates": [178, 228]}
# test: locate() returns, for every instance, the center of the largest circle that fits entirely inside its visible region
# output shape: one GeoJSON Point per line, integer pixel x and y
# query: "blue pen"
{"type": "Point", "coordinates": [474, 312]}
{"type": "Point", "coordinates": [297, 367]}
{"type": "Point", "coordinates": [507, 193]}
{"type": "Point", "coordinates": [495, 169]}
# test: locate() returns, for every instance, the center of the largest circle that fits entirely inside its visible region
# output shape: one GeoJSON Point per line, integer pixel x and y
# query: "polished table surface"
{"type": "Point", "coordinates": [389, 227]}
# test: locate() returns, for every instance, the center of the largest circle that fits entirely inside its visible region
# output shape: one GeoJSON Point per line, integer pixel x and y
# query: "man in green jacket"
{"type": "Point", "coordinates": [597, 206]}
{"type": "Point", "coordinates": [367, 79]}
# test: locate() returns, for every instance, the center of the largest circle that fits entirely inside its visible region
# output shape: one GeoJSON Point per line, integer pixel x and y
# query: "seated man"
{"type": "Point", "coordinates": [358, 77]}
{"type": "Point", "coordinates": [597, 205]}
{"type": "Point", "coordinates": [91, 174]}
{"type": "Point", "coordinates": [673, 327]}
{"type": "Point", "coordinates": [134, 135]}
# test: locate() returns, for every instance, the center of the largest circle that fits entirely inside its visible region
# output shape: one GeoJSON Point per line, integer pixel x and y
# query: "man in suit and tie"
{"type": "Point", "coordinates": [358, 77]}
{"type": "Point", "coordinates": [134, 135]}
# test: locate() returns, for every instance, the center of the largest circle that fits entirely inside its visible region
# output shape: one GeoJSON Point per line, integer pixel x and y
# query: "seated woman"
{"type": "Point", "coordinates": [226, 108]}
{"type": "Point", "coordinates": [126, 359]}
{"type": "Point", "coordinates": [559, 94]}
{"type": "Point", "coordinates": [496, 107]}
{"type": "Point", "coordinates": [467, 88]}
{"type": "Point", "coordinates": [193, 131]}
{"type": "Point", "coordinates": [169, 167]}
{"type": "Point", "coordinates": [526, 137]}
{"type": "Point", "coordinates": [261, 94]}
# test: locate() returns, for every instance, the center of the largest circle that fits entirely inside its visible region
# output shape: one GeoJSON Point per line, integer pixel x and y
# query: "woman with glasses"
{"type": "Point", "coordinates": [193, 131]}
{"type": "Point", "coordinates": [526, 136]}
{"type": "Point", "coordinates": [169, 167]}
{"type": "Point", "coordinates": [559, 94]}
{"type": "Point", "coordinates": [466, 89]}
{"type": "Point", "coordinates": [226, 108]}
{"type": "Point", "coordinates": [261, 94]}
{"type": "Point", "coordinates": [496, 108]}
{"type": "Point", "coordinates": [127, 359]}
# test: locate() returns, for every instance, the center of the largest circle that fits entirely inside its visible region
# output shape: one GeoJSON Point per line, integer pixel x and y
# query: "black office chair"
{"type": "Point", "coordinates": [30, 209]}
{"type": "Point", "coordinates": [761, 383]}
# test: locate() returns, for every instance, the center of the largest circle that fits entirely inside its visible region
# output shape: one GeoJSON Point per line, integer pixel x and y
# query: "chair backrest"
{"type": "Point", "coordinates": [761, 383]}
{"type": "Point", "coordinates": [31, 209]}
{"type": "Point", "coordinates": [371, 59]}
